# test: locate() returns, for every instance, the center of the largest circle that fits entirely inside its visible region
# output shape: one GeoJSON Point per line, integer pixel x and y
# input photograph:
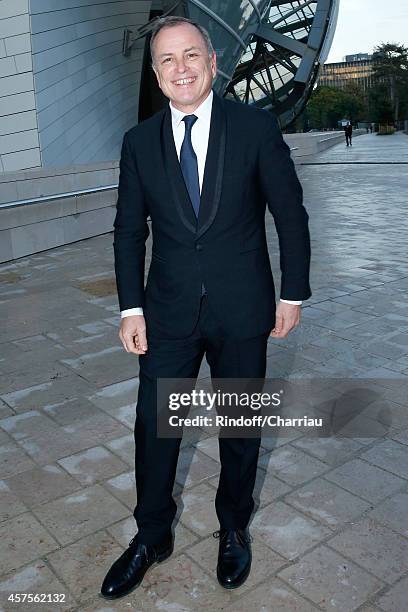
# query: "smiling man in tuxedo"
{"type": "Point", "coordinates": [204, 169]}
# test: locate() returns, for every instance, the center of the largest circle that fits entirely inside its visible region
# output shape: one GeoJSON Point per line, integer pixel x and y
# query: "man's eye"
{"type": "Point", "coordinates": [192, 54]}
{"type": "Point", "coordinates": [168, 59]}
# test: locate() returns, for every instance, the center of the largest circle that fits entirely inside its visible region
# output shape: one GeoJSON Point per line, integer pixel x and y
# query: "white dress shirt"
{"type": "Point", "coordinates": [199, 138]}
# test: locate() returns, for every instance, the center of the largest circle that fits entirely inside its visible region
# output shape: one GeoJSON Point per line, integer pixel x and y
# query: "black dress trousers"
{"type": "Point", "coordinates": [156, 458]}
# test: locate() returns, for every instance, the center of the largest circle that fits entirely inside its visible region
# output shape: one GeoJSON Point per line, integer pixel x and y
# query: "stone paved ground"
{"type": "Point", "coordinates": [331, 531]}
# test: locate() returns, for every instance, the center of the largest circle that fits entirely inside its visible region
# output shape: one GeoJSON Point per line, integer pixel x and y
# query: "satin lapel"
{"type": "Point", "coordinates": [214, 167]}
{"type": "Point", "coordinates": [175, 176]}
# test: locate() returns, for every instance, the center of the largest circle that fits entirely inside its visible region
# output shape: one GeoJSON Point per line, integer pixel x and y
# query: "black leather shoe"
{"type": "Point", "coordinates": [127, 572]}
{"type": "Point", "coordinates": [234, 557]}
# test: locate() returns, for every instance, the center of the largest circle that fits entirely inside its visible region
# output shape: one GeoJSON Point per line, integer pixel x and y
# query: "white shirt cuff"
{"type": "Point", "coordinates": [130, 312]}
{"type": "Point", "coordinates": [294, 302]}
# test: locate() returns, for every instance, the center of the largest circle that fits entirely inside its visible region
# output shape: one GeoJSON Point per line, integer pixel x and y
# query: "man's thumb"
{"type": "Point", "coordinates": [142, 338]}
{"type": "Point", "coordinates": [278, 322]}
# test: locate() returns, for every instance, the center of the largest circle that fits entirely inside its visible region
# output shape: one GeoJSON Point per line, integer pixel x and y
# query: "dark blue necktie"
{"type": "Point", "coordinates": [188, 163]}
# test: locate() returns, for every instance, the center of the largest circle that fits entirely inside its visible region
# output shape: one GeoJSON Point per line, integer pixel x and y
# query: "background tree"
{"type": "Point", "coordinates": [329, 105]}
{"type": "Point", "coordinates": [390, 72]}
{"type": "Point", "coordinates": [386, 100]}
{"type": "Point", "coordinates": [381, 109]}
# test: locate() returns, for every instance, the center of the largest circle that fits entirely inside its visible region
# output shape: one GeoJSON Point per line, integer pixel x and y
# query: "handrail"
{"type": "Point", "coordinates": [68, 194]}
{"type": "Point", "coordinates": [58, 196]}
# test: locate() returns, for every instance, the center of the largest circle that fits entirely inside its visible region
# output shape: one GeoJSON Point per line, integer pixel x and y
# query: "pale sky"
{"type": "Point", "coordinates": [362, 24]}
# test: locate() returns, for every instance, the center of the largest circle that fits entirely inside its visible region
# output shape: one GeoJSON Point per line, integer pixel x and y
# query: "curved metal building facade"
{"type": "Point", "coordinates": [69, 91]}
{"type": "Point", "coordinates": [269, 51]}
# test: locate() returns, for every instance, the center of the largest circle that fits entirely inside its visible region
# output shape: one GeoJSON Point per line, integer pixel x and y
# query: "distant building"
{"type": "Point", "coordinates": [76, 75]}
{"type": "Point", "coordinates": [355, 69]}
{"type": "Point", "coordinates": [356, 57]}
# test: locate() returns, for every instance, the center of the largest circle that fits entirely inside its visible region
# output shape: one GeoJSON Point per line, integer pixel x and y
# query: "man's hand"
{"type": "Point", "coordinates": [133, 334]}
{"type": "Point", "coordinates": [287, 317]}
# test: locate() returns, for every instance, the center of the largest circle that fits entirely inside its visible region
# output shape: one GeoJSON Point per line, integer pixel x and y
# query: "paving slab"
{"type": "Point", "coordinates": [123, 487]}
{"type": "Point", "coordinates": [83, 565]}
{"type": "Point", "coordinates": [330, 521]}
{"type": "Point", "coordinates": [79, 514]}
{"type": "Point", "coordinates": [198, 510]}
{"type": "Point", "coordinates": [267, 487]}
{"type": "Point", "coordinates": [367, 481]}
{"type": "Point", "coordinates": [292, 465]}
{"type": "Point", "coordinates": [389, 455]}
{"type": "Point", "coordinates": [287, 531]}
{"type": "Point", "coordinates": [36, 578]}
{"type": "Point", "coordinates": [374, 547]}
{"type": "Point", "coordinates": [30, 397]}
{"type": "Point", "coordinates": [92, 465]}
{"type": "Point", "coordinates": [395, 599]}
{"type": "Point", "coordinates": [10, 504]}
{"type": "Point", "coordinates": [327, 503]}
{"type": "Point", "coordinates": [194, 467]}
{"type": "Point", "coordinates": [13, 460]}
{"type": "Point", "coordinates": [23, 540]}
{"type": "Point", "coordinates": [124, 448]}
{"type": "Point", "coordinates": [331, 450]}
{"type": "Point", "coordinates": [331, 581]}
{"type": "Point", "coordinates": [393, 513]}
{"type": "Point", "coordinates": [42, 484]}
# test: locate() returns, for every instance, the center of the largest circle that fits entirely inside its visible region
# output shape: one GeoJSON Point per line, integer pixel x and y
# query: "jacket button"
{"type": "Point", "coordinates": [199, 247]}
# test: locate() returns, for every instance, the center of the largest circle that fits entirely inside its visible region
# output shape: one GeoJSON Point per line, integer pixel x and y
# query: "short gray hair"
{"type": "Point", "coordinates": [175, 20]}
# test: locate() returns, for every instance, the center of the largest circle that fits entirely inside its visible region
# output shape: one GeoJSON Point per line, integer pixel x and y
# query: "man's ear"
{"type": "Point", "coordinates": [214, 64]}
{"type": "Point", "coordinates": [156, 73]}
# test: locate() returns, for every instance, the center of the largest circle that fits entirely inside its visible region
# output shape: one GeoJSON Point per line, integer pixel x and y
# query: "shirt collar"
{"type": "Point", "coordinates": [203, 111]}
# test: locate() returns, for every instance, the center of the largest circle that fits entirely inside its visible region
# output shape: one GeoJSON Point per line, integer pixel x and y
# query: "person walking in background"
{"type": "Point", "coordinates": [204, 170]}
{"type": "Point", "coordinates": [348, 130]}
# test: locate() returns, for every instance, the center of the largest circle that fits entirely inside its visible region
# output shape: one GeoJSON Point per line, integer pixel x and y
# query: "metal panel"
{"type": "Point", "coordinates": [281, 61]}
{"type": "Point", "coordinates": [87, 92]}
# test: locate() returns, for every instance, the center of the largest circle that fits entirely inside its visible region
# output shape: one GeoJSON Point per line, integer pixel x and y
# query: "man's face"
{"type": "Point", "coordinates": [182, 66]}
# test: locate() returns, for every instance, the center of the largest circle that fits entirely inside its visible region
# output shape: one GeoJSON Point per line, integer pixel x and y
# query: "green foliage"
{"type": "Point", "coordinates": [391, 60]}
{"type": "Point", "coordinates": [390, 73]}
{"type": "Point", "coordinates": [386, 130]}
{"type": "Point", "coordinates": [328, 105]}
{"type": "Point", "coordinates": [381, 108]}
{"type": "Point", "coordinates": [385, 102]}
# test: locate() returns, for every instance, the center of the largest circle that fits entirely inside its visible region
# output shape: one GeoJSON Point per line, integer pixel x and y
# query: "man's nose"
{"type": "Point", "coordinates": [180, 65]}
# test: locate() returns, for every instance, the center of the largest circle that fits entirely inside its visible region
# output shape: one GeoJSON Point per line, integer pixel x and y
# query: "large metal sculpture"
{"type": "Point", "coordinates": [269, 51]}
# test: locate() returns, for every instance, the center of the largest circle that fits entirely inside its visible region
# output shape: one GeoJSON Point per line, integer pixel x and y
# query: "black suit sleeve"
{"type": "Point", "coordinates": [130, 232]}
{"type": "Point", "coordinates": [283, 193]}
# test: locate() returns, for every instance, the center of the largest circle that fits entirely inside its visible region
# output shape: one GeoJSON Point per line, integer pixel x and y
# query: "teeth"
{"type": "Point", "coordinates": [185, 81]}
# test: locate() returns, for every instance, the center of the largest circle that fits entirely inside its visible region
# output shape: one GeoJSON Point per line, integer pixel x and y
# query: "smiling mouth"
{"type": "Point", "coordinates": [188, 81]}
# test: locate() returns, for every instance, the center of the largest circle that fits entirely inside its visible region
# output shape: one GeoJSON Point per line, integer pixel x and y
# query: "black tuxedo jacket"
{"type": "Point", "coordinates": [248, 166]}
